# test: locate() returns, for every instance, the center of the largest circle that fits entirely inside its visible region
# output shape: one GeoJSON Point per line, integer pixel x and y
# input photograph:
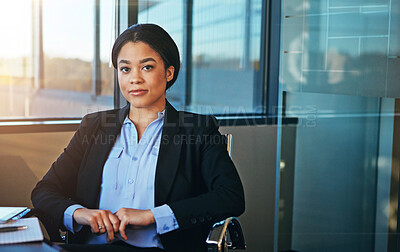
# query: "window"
{"type": "Point", "coordinates": [59, 64]}
{"type": "Point", "coordinates": [220, 45]}
{"type": "Point", "coordinates": [48, 66]}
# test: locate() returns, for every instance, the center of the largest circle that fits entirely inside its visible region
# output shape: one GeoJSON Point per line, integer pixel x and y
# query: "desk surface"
{"type": "Point", "coordinates": [30, 247]}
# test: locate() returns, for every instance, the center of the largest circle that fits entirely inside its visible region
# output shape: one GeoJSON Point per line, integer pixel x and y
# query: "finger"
{"type": "Point", "coordinates": [94, 224]}
{"type": "Point", "coordinates": [108, 226]}
{"type": "Point", "coordinates": [122, 230]}
{"type": "Point", "coordinates": [108, 238]}
{"type": "Point", "coordinates": [97, 228]}
{"type": "Point", "coordinates": [101, 227]}
{"type": "Point", "coordinates": [115, 222]}
{"type": "Point", "coordinates": [119, 213]}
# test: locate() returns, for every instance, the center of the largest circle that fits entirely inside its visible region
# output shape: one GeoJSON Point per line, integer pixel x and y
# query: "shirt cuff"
{"type": "Point", "coordinates": [165, 219]}
{"type": "Point", "coordinates": [69, 222]}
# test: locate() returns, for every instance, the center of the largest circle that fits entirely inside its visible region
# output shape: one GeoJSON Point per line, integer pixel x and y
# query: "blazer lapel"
{"type": "Point", "coordinates": [103, 140]}
{"type": "Point", "coordinates": [168, 156]}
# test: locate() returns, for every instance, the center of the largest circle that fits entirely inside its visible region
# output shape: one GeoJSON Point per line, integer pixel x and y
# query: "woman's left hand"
{"type": "Point", "coordinates": [134, 217]}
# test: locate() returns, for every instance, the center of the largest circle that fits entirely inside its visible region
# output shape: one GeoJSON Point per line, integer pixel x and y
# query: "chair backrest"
{"type": "Point", "coordinates": [229, 141]}
{"type": "Point", "coordinates": [227, 234]}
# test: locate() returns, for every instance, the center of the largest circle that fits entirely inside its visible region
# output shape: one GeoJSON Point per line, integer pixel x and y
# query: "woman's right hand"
{"type": "Point", "coordinates": [100, 221]}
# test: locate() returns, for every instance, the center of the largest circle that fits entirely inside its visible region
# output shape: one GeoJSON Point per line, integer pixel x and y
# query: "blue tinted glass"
{"type": "Point", "coordinates": [168, 14]}
{"type": "Point", "coordinates": [338, 76]}
{"type": "Point", "coordinates": [225, 56]}
{"type": "Point", "coordinates": [340, 47]}
{"type": "Point", "coordinates": [225, 53]}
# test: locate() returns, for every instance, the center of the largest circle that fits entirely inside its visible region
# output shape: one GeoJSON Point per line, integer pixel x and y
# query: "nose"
{"type": "Point", "coordinates": [135, 77]}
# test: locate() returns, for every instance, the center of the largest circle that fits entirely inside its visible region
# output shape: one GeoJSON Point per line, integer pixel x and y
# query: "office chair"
{"type": "Point", "coordinates": [226, 234]}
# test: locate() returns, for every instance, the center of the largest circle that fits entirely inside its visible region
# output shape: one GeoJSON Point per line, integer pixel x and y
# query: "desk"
{"type": "Point", "coordinates": [44, 246]}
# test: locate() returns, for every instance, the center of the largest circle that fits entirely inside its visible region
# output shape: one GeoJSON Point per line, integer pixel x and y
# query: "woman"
{"type": "Point", "coordinates": [145, 174]}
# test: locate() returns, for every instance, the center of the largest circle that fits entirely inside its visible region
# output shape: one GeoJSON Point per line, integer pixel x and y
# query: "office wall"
{"type": "Point", "coordinates": [25, 158]}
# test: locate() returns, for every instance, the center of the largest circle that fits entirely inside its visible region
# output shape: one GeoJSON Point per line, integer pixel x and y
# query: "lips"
{"type": "Point", "coordinates": [138, 92]}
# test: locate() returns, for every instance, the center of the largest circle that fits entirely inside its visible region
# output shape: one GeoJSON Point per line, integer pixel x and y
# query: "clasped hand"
{"type": "Point", "coordinates": [103, 221]}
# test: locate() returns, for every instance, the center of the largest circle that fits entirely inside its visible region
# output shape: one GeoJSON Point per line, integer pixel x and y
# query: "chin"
{"type": "Point", "coordinates": [139, 104]}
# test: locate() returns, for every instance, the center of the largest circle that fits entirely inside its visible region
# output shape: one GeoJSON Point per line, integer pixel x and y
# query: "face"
{"type": "Point", "coordinates": [142, 76]}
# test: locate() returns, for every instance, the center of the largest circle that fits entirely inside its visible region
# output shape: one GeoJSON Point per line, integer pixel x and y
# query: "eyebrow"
{"type": "Point", "coordinates": [124, 61]}
{"type": "Point", "coordinates": [141, 61]}
{"type": "Point", "coordinates": [146, 60]}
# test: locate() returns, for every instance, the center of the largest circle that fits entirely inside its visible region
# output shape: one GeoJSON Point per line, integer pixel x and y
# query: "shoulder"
{"type": "Point", "coordinates": [100, 114]}
{"type": "Point", "coordinates": [104, 118]}
{"type": "Point", "coordinates": [188, 120]}
{"type": "Point", "coordinates": [194, 120]}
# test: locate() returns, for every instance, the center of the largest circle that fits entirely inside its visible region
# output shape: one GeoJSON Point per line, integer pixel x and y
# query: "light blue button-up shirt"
{"type": "Point", "coordinates": [128, 181]}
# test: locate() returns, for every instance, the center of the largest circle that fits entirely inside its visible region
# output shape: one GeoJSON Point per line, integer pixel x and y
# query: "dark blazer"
{"type": "Point", "coordinates": [194, 174]}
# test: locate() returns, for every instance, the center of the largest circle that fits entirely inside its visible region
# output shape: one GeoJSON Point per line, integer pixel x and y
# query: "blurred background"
{"type": "Point", "coordinates": [308, 88]}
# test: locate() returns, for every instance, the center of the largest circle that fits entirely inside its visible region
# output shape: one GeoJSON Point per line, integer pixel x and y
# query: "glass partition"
{"type": "Point", "coordinates": [339, 75]}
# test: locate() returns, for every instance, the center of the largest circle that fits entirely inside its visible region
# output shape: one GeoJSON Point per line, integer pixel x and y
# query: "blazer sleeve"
{"type": "Point", "coordinates": [225, 194]}
{"type": "Point", "coordinates": [55, 192]}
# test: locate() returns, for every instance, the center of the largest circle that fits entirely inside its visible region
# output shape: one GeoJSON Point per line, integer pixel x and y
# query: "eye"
{"type": "Point", "coordinates": [147, 67]}
{"type": "Point", "coordinates": [124, 69]}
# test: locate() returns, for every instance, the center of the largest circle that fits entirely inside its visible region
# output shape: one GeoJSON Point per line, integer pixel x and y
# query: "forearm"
{"type": "Point", "coordinates": [51, 203]}
{"type": "Point", "coordinates": [69, 221]}
{"type": "Point", "coordinates": [218, 194]}
{"type": "Point", "coordinates": [207, 208]}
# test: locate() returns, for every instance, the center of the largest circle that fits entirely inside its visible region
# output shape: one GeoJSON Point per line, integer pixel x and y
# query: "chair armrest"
{"type": "Point", "coordinates": [226, 234]}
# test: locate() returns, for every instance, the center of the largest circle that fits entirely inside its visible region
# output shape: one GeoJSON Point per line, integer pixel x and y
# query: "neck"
{"type": "Point", "coordinates": [144, 116]}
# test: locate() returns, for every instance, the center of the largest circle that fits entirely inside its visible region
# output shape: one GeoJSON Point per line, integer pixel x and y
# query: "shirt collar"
{"type": "Point", "coordinates": [160, 116]}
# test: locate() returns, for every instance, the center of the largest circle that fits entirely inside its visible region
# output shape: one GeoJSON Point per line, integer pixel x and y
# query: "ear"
{"type": "Point", "coordinates": [170, 73]}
